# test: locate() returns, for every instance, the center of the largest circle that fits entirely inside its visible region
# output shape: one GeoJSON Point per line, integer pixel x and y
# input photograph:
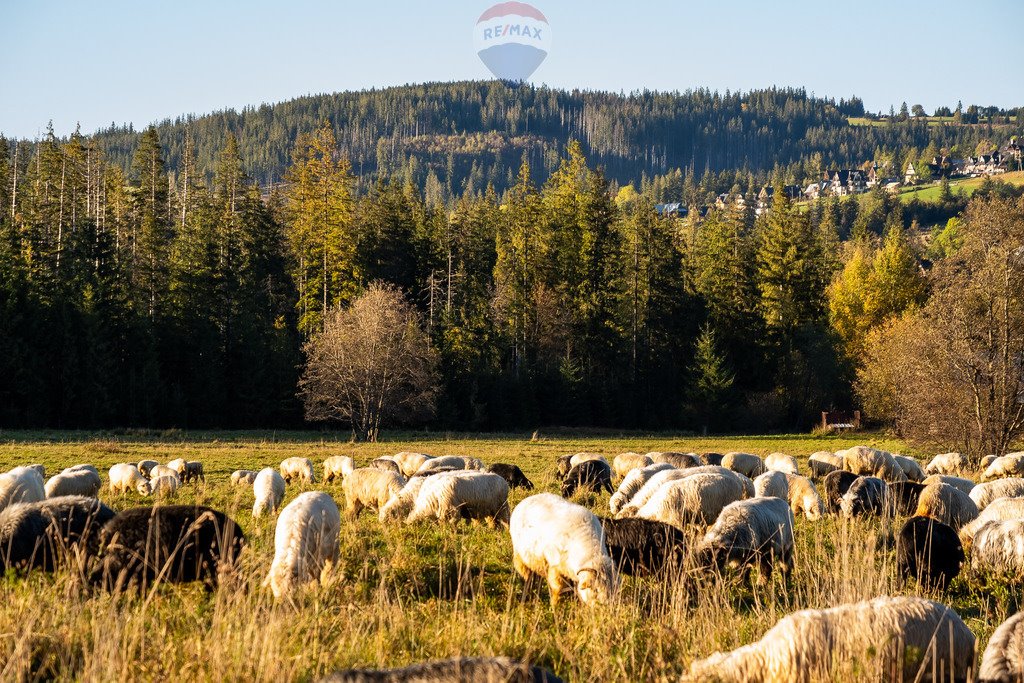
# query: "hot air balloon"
{"type": "Point", "coordinates": [512, 39]}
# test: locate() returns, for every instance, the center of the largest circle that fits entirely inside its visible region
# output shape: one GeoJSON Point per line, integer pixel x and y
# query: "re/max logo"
{"type": "Point", "coordinates": [512, 30]}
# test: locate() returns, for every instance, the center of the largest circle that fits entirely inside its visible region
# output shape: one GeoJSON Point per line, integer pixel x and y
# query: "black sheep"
{"type": "Point", "coordinates": [461, 670]}
{"type": "Point", "coordinates": [903, 496]}
{"type": "Point", "coordinates": [564, 465]}
{"type": "Point", "coordinates": [929, 551]}
{"type": "Point", "coordinates": [641, 547]}
{"type": "Point", "coordinates": [835, 485]}
{"type": "Point", "coordinates": [172, 543]}
{"type": "Point", "coordinates": [512, 474]}
{"type": "Point", "coordinates": [866, 496]}
{"type": "Point", "coordinates": [34, 535]}
{"type": "Point", "coordinates": [712, 458]}
{"type": "Point", "coordinates": [680, 461]}
{"type": "Point", "coordinates": [589, 474]}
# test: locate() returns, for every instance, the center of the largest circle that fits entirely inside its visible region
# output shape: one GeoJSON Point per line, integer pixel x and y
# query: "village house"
{"type": "Point", "coordinates": [984, 164]}
{"type": "Point", "coordinates": [910, 175]}
{"type": "Point", "coordinates": [847, 181]}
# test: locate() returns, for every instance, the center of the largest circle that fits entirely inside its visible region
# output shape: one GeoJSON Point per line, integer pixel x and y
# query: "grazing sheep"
{"type": "Point", "coordinates": [74, 483]}
{"type": "Point", "coordinates": [633, 482]}
{"type": "Point", "coordinates": [449, 462]}
{"type": "Point", "coordinates": [998, 547]}
{"type": "Point", "coordinates": [172, 543]}
{"type": "Point", "coordinates": [746, 464]}
{"type": "Point", "coordinates": [460, 670]}
{"type": "Point", "coordinates": [409, 462]}
{"type": "Point", "coordinates": [1003, 661]}
{"type": "Point", "coordinates": [984, 494]}
{"type": "Point", "coordinates": [866, 496]}
{"type": "Point", "coordinates": [780, 462]}
{"type": "Point", "coordinates": [305, 541]}
{"type": "Point", "coordinates": [386, 464]}
{"type": "Point", "coordinates": [904, 497]}
{"type": "Point", "coordinates": [338, 466]}
{"type": "Point", "coordinates": [946, 504]}
{"type": "Point", "coordinates": [648, 490]}
{"type": "Point", "coordinates": [643, 547]}
{"type": "Point", "coordinates": [593, 475]}
{"type": "Point", "coordinates": [679, 460]}
{"type": "Point", "coordinates": [297, 468]}
{"type": "Point", "coordinates": [823, 462]}
{"type": "Point", "coordinates": [799, 491]}
{"type": "Point", "coordinates": [193, 472]}
{"type": "Point", "coordinates": [268, 487]}
{"type": "Point", "coordinates": [911, 468]}
{"type": "Point", "coordinates": [885, 639]}
{"type": "Point", "coordinates": [164, 486]}
{"type": "Point", "coordinates": [21, 485]}
{"type": "Point", "coordinates": [162, 471]}
{"type": "Point", "coordinates": [462, 495]}
{"type": "Point", "coordinates": [836, 484]}
{"type": "Point", "coordinates": [697, 499]}
{"type": "Point", "coordinates": [38, 469]}
{"type": "Point", "coordinates": [35, 535]}
{"type": "Point", "coordinates": [178, 465]}
{"type": "Point", "coordinates": [125, 477]}
{"type": "Point", "coordinates": [146, 465]}
{"type": "Point", "coordinates": [1010, 465]}
{"type": "Point", "coordinates": [400, 504]}
{"type": "Point", "coordinates": [511, 474]}
{"type": "Point", "coordinates": [625, 462]}
{"type": "Point", "coordinates": [243, 477]}
{"type": "Point", "coordinates": [567, 462]}
{"type": "Point", "coordinates": [929, 551]}
{"type": "Point", "coordinates": [366, 487]}
{"type": "Point", "coordinates": [998, 510]}
{"type": "Point", "coordinates": [82, 467]}
{"type": "Point", "coordinates": [563, 542]}
{"type": "Point", "coordinates": [986, 461]}
{"type": "Point", "coordinates": [871, 462]}
{"type": "Point", "coordinates": [712, 458]}
{"type": "Point", "coordinates": [948, 463]}
{"type": "Point", "coordinates": [965, 485]}
{"type": "Point", "coordinates": [757, 532]}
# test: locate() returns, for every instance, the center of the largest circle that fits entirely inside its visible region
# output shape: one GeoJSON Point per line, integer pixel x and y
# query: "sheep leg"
{"type": "Point", "coordinates": [556, 585]}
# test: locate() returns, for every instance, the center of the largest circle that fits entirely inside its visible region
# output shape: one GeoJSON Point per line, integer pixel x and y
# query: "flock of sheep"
{"type": "Point", "coordinates": [744, 507]}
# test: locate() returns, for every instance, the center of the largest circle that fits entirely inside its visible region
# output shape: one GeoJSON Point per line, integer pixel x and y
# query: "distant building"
{"type": "Point", "coordinates": [673, 210]}
{"type": "Point", "coordinates": [984, 164]}
{"type": "Point", "coordinates": [847, 181]}
{"type": "Point", "coordinates": [1013, 150]}
{"type": "Point", "coordinates": [764, 197]}
{"type": "Point", "coordinates": [910, 176]}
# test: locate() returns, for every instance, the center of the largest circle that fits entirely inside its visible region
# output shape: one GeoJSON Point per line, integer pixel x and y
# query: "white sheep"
{"type": "Point", "coordinates": [756, 531]}
{"type": "Point", "coordinates": [178, 465]}
{"type": "Point", "coordinates": [453, 462]}
{"type": "Point", "coordinates": [163, 471]}
{"type": "Point", "coordinates": [947, 504]}
{"type": "Point", "coordinates": [625, 463]}
{"type": "Point", "coordinates": [998, 510]}
{"type": "Point", "coordinates": [649, 488]}
{"type": "Point", "coordinates": [998, 547]}
{"type": "Point", "coordinates": [633, 482]}
{"type": "Point", "coordinates": [1003, 661]}
{"type": "Point", "coordinates": [986, 461]}
{"type": "Point", "coordinates": [125, 477]}
{"type": "Point", "coordinates": [400, 504]}
{"type": "Point", "coordinates": [746, 464]}
{"type": "Point", "coordinates": [564, 543]}
{"type": "Point", "coordinates": [948, 463]}
{"type": "Point", "coordinates": [887, 638]}
{"type": "Point", "coordinates": [409, 462]}
{"type": "Point", "coordinates": [81, 482]}
{"type": "Point", "coordinates": [965, 485]}
{"type": "Point", "coordinates": [243, 477]}
{"type": "Point", "coordinates": [268, 487]}
{"type": "Point", "coordinates": [38, 469]}
{"type": "Point", "coordinates": [21, 485]}
{"type": "Point", "coordinates": [146, 465]}
{"type": "Point", "coordinates": [983, 494]}
{"type": "Point", "coordinates": [800, 491]}
{"type": "Point", "coordinates": [164, 485]}
{"type": "Point", "coordinates": [462, 495]}
{"type": "Point", "coordinates": [1010, 465]}
{"type": "Point", "coordinates": [911, 468]}
{"type": "Point", "coordinates": [368, 487]}
{"type": "Point", "coordinates": [305, 542]}
{"type": "Point", "coordinates": [82, 467]}
{"type": "Point", "coordinates": [823, 462]}
{"type": "Point", "coordinates": [872, 462]}
{"type": "Point", "coordinates": [676, 459]}
{"type": "Point", "coordinates": [780, 462]}
{"type": "Point", "coordinates": [338, 466]}
{"type": "Point", "coordinates": [297, 468]}
{"type": "Point", "coordinates": [697, 499]}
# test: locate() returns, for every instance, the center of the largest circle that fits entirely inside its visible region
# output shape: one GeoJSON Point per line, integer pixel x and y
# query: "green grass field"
{"type": "Point", "coordinates": [932, 121]}
{"type": "Point", "coordinates": [931, 192]}
{"type": "Point", "coordinates": [407, 593]}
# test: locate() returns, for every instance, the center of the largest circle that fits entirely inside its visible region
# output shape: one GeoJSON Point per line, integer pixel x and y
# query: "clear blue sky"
{"type": "Point", "coordinates": [140, 61]}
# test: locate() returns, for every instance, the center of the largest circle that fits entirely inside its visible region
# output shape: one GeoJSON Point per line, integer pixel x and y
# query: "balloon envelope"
{"type": "Point", "coordinates": [512, 39]}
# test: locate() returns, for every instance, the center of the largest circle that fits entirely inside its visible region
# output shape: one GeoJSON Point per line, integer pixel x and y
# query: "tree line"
{"type": "Point", "coordinates": [158, 297]}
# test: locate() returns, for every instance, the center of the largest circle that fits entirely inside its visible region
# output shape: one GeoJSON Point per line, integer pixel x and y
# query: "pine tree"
{"type": "Point", "coordinates": [150, 230]}
{"type": "Point", "coordinates": [712, 381]}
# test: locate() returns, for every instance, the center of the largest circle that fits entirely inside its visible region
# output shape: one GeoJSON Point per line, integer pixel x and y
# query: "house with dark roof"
{"type": "Point", "coordinates": [847, 181]}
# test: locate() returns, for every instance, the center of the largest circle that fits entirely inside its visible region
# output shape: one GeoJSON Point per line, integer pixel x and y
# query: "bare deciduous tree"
{"type": "Point", "coordinates": [371, 364]}
{"type": "Point", "coordinates": [952, 375]}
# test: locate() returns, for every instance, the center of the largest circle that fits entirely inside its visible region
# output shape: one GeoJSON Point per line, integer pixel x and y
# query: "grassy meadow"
{"type": "Point", "coordinates": [407, 593]}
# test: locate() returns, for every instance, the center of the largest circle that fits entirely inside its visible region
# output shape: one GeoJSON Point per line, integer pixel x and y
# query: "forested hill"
{"type": "Point", "coordinates": [450, 136]}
